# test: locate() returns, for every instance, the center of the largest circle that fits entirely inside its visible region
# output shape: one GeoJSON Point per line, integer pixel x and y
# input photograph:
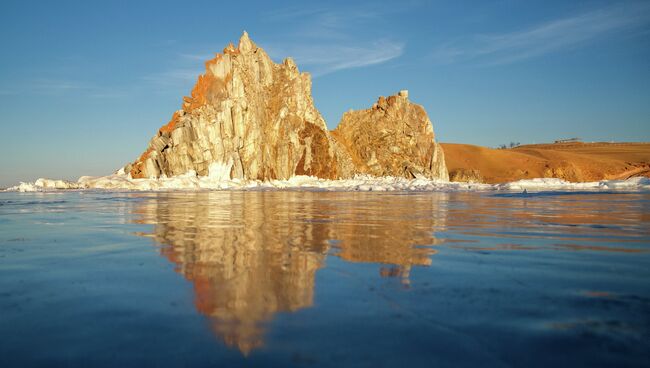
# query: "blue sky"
{"type": "Point", "coordinates": [85, 84]}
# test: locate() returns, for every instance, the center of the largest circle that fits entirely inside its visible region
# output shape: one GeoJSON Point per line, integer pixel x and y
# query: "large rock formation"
{"type": "Point", "coordinates": [250, 118]}
{"type": "Point", "coordinates": [393, 138]}
{"type": "Point", "coordinates": [255, 119]}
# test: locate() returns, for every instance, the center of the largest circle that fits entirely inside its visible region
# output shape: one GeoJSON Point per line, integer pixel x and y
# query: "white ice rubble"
{"type": "Point", "coordinates": [218, 181]}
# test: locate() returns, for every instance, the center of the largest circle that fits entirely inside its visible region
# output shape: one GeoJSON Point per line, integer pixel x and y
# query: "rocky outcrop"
{"type": "Point", "coordinates": [465, 175]}
{"type": "Point", "coordinates": [393, 138]}
{"type": "Point", "coordinates": [250, 118]}
{"type": "Point", "coordinates": [246, 118]}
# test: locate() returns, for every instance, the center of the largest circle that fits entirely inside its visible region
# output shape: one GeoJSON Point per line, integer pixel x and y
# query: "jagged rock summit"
{"type": "Point", "coordinates": [246, 118]}
{"type": "Point", "coordinates": [393, 138]}
{"type": "Point", "coordinates": [250, 118]}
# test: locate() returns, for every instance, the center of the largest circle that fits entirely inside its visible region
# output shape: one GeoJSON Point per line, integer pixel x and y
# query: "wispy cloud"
{"type": "Point", "coordinates": [174, 77]}
{"type": "Point", "coordinates": [320, 22]}
{"type": "Point", "coordinates": [328, 58]}
{"type": "Point", "coordinates": [46, 86]}
{"type": "Point", "coordinates": [183, 71]}
{"type": "Point", "coordinates": [552, 36]}
{"type": "Point", "coordinates": [320, 39]}
{"type": "Point", "coordinates": [57, 87]}
{"type": "Point", "coordinates": [324, 41]}
{"type": "Point", "coordinates": [197, 57]}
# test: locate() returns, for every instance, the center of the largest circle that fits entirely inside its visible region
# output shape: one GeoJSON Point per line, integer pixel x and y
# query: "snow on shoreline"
{"type": "Point", "coordinates": [190, 181]}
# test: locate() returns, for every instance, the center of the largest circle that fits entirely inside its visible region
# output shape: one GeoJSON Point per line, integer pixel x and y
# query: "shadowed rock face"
{"type": "Point", "coordinates": [250, 118]}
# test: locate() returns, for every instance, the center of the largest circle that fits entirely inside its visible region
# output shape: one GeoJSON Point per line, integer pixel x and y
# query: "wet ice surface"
{"type": "Point", "coordinates": [294, 278]}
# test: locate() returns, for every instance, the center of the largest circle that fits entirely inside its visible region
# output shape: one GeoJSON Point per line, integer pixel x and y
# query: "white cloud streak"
{"type": "Point", "coordinates": [51, 87]}
{"type": "Point", "coordinates": [323, 59]}
{"type": "Point", "coordinates": [545, 38]}
{"type": "Point", "coordinates": [63, 88]}
{"type": "Point", "coordinates": [321, 41]}
{"type": "Point", "coordinates": [174, 77]}
{"type": "Point", "coordinates": [325, 41]}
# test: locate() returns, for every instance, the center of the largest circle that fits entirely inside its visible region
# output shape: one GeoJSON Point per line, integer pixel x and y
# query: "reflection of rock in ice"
{"type": "Point", "coordinates": [391, 230]}
{"type": "Point", "coordinates": [246, 259]}
{"type": "Point", "coordinates": [253, 254]}
{"type": "Point", "coordinates": [403, 272]}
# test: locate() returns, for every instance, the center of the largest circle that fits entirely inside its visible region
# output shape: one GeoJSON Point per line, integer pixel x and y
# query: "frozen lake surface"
{"type": "Point", "coordinates": [299, 278]}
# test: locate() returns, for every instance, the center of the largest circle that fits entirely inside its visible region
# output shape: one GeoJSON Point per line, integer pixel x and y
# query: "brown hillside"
{"type": "Point", "coordinates": [574, 162]}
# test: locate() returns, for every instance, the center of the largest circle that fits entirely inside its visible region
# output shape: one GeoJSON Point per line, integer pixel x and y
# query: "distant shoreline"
{"type": "Point", "coordinates": [573, 161]}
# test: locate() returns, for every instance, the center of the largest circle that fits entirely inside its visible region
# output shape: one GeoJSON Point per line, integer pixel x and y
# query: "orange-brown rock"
{"type": "Point", "coordinates": [250, 118]}
{"type": "Point", "coordinates": [393, 138]}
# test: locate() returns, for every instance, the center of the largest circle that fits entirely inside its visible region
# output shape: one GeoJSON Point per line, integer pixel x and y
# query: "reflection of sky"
{"type": "Point", "coordinates": [541, 281]}
{"type": "Point", "coordinates": [251, 255]}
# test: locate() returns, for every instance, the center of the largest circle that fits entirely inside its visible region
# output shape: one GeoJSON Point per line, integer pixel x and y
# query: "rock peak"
{"type": "Point", "coordinates": [245, 43]}
{"type": "Point", "coordinates": [250, 118]}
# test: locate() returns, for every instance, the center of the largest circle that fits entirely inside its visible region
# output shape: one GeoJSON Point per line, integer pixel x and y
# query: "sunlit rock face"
{"type": "Point", "coordinates": [250, 118]}
{"type": "Point", "coordinates": [393, 138]}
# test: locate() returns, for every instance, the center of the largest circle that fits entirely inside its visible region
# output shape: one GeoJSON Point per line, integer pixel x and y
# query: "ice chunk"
{"type": "Point", "coordinates": [219, 179]}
